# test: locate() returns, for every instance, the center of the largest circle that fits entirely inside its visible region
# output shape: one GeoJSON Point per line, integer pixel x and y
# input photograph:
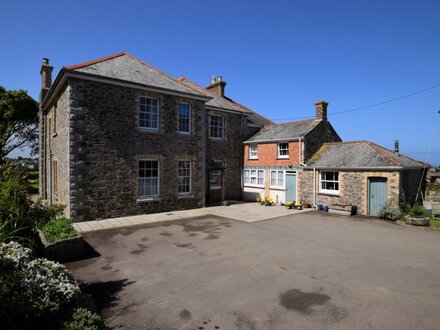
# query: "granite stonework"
{"type": "Point", "coordinates": [104, 156]}
{"type": "Point", "coordinates": [323, 132]}
{"type": "Point", "coordinates": [353, 188]}
{"type": "Point", "coordinates": [228, 151]}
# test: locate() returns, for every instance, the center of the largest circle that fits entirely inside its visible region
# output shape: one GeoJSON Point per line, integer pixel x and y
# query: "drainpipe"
{"type": "Point", "coordinates": [314, 186]}
{"type": "Point", "coordinates": [300, 153]}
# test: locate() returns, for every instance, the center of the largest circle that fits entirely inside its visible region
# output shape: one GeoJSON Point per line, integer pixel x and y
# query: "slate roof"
{"type": "Point", "coordinates": [286, 131]}
{"type": "Point", "coordinates": [123, 66]}
{"type": "Point", "coordinates": [254, 117]}
{"type": "Point", "coordinates": [359, 155]}
{"type": "Point", "coordinates": [216, 101]}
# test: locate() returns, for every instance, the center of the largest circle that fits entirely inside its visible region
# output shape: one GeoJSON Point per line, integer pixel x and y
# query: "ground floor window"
{"type": "Point", "coordinates": [184, 177]}
{"type": "Point", "coordinates": [148, 178]}
{"type": "Point", "coordinates": [215, 179]}
{"type": "Point", "coordinates": [253, 177]}
{"type": "Point", "coordinates": [329, 182]}
{"type": "Point", "coordinates": [277, 179]}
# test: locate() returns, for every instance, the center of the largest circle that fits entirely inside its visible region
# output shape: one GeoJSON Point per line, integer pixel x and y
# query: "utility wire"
{"type": "Point", "coordinates": [368, 106]}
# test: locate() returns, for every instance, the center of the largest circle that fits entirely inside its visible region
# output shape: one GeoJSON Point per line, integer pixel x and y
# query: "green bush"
{"type": "Point", "coordinates": [19, 215]}
{"type": "Point", "coordinates": [83, 319]}
{"type": "Point", "coordinates": [32, 290]}
{"type": "Point", "coordinates": [390, 212]}
{"type": "Point", "coordinates": [416, 211]}
{"type": "Point", "coordinates": [57, 229]}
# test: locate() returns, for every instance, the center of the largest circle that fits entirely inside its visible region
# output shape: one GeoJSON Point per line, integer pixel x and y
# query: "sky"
{"type": "Point", "coordinates": [277, 57]}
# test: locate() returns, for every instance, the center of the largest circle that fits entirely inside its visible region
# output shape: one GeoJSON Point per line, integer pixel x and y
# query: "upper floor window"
{"type": "Point", "coordinates": [55, 108]}
{"type": "Point", "coordinates": [148, 178]}
{"type": "Point", "coordinates": [329, 183]}
{"type": "Point", "coordinates": [283, 150]}
{"type": "Point", "coordinates": [184, 118]}
{"type": "Point", "coordinates": [149, 114]}
{"type": "Point", "coordinates": [277, 179]}
{"type": "Point", "coordinates": [253, 151]}
{"type": "Point", "coordinates": [184, 177]}
{"type": "Point", "coordinates": [217, 127]}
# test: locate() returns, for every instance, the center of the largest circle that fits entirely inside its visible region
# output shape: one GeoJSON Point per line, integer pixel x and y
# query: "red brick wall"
{"type": "Point", "coordinates": [268, 155]}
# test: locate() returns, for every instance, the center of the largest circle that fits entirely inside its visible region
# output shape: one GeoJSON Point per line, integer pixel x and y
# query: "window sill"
{"type": "Point", "coordinates": [278, 188]}
{"type": "Point", "coordinates": [148, 199]}
{"type": "Point", "coordinates": [252, 158]}
{"type": "Point", "coordinates": [282, 158]}
{"type": "Point", "coordinates": [329, 194]}
{"type": "Point", "coordinates": [253, 186]}
{"type": "Point", "coordinates": [185, 196]}
{"type": "Point", "coordinates": [216, 139]}
{"type": "Point", "coordinates": [148, 130]}
{"type": "Point", "coordinates": [184, 133]}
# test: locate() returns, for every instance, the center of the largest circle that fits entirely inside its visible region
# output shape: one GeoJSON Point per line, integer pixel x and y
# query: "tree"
{"type": "Point", "coordinates": [18, 121]}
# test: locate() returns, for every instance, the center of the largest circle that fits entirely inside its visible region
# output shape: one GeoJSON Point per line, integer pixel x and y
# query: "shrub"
{"type": "Point", "coordinates": [57, 229]}
{"type": "Point", "coordinates": [416, 211]}
{"type": "Point", "coordinates": [31, 288]}
{"type": "Point", "coordinates": [390, 212]}
{"type": "Point", "coordinates": [83, 319]}
{"type": "Point", "coordinates": [19, 216]}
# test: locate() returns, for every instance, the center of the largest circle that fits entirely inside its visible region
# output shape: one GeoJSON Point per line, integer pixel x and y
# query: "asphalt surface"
{"type": "Point", "coordinates": [307, 271]}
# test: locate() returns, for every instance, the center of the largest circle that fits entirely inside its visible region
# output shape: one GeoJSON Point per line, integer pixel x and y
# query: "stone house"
{"type": "Point", "coordinates": [363, 174]}
{"type": "Point", "coordinates": [276, 155]}
{"type": "Point", "coordinates": [119, 137]}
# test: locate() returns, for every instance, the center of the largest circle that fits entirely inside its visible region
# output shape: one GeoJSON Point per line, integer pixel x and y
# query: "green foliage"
{"type": "Point", "coordinates": [57, 229]}
{"type": "Point", "coordinates": [390, 212]}
{"type": "Point", "coordinates": [19, 216]}
{"type": "Point", "coordinates": [416, 211]}
{"type": "Point", "coordinates": [32, 290]}
{"type": "Point", "coordinates": [83, 319]}
{"type": "Point", "coordinates": [18, 121]}
{"type": "Point", "coordinates": [434, 222]}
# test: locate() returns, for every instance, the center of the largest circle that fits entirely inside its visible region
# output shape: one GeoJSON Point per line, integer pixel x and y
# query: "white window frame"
{"type": "Point", "coordinates": [328, 191]}
{"type": "Point", "coordinates": [143, 197]}
{"type": "Point", "coordinates": [145, 128]}
{"type": "Point", "coordinates": [283, 149]}
{"type": "Point", "coordinates": [278, 174]}
{"type": "Point", "coordinates": [253, 173]}
{"type": "Point", "coordinates": [253, 151]}
{"type": "Point", "coordinates": [217, 127]}
{"type": "Point", "coordinates": [220, 175]}
{"type": "Point", "coordinates": [184, 193]}
{"type": "Point", "coordinates": [189, 119]}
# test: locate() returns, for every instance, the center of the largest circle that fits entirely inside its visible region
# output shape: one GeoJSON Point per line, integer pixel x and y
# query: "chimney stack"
{"type": "Point", "coordinates": [396, 147]}
{"type": "Point", "coordinates": [321, 110]}
{"type": "Point", "coordinates": [46, 78]}
{"type": "Point", "coordinates": [217, 86]}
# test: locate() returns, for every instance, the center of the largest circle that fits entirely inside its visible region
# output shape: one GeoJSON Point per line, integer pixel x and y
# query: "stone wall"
{"type": "Point", "coordinates": [56, 134]}
{"type": "Point", "coordinates": [323, 132]}
{"type": "Point", "coordinates": [353, 188]}
{"type": "Point", "coordinates": [228, 151]}
{"type": "Point", "coordinates": [106, 145]}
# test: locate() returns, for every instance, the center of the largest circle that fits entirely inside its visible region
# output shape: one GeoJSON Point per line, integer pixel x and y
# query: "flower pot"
{"type": "Point", "coordinates": [325, 208]}
{"type": "Point", "coordinates": [65, 250]}
{"type": "Point", "coordinates": [319, 207]}
{"type": "Point", "coordinates": [417, 221]}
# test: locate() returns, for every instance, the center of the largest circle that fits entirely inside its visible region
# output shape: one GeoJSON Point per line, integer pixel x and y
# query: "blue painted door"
{"type": "Point", "coordinates": [290, 187]}
{"type": "Point", "coordinates": [377, 195]}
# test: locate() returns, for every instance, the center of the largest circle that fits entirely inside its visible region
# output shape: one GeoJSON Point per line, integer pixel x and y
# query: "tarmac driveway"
{"type": "Point", "coordinates": [306, 271]}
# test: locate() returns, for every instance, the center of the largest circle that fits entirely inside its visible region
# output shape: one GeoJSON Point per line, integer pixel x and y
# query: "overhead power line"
{"type": "Point", "coordinates": [368, 106]}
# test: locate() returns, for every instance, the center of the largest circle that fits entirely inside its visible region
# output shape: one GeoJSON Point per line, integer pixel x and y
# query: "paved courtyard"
{"type": "Point", "coordinates": [303, 271]}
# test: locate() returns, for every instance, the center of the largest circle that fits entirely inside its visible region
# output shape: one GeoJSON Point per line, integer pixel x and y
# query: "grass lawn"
{"type": "Point", "coordinates": [434, 222]}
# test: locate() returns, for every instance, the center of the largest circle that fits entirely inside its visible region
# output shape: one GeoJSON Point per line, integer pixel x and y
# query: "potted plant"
{"type": "Point", "coordinates": [258, 198]}
{"type": "Point", "coordinates": [289, 205]}
{"type": "Point", "coordinates": [416, 215]}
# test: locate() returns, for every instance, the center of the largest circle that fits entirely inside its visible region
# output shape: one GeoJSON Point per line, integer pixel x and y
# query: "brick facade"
{"type": "Point", "coordinates": [268, 155]}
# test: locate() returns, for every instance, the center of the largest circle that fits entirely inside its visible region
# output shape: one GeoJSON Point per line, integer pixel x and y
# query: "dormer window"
{"type": "Point", "coordinates": [283, 150]}
{"type": "Point", "coordinates": [253, 151]}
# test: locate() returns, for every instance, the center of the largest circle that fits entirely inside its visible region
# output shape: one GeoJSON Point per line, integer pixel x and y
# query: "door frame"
{"type": "Point", "coordinates": [295, 174]}
{"type": "Point", "coordinates": [368, 191]}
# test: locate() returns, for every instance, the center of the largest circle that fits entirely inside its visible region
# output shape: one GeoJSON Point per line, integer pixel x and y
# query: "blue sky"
{"type": "Point", "coordinates": [278, 57]}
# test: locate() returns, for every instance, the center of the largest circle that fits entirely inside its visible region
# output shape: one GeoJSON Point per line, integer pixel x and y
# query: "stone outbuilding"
{"type": "Point", "coordinates": [363, 174]}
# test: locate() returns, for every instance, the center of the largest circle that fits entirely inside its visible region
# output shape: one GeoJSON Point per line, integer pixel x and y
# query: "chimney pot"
{"type": "Point", "coordinates": [45, 61]}
{"type": "Point", "coordinates": [46, 78]}
{"type": "Point", "coordinates": [219, 78]}
{"type": "Point", "coordinates": [213, 79]}
{"type": "Point", "coordinates": [396, 146]}
{"type": "Point", "coordinates": [321, 110]}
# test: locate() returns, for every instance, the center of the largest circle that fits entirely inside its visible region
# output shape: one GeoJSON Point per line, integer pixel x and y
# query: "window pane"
{"type": "Point", "coordinates": [149, 113]}
{"type": "Point", "coordinates": [148, 177]}
{"type": "Point", "coordinates": [216, 126]}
